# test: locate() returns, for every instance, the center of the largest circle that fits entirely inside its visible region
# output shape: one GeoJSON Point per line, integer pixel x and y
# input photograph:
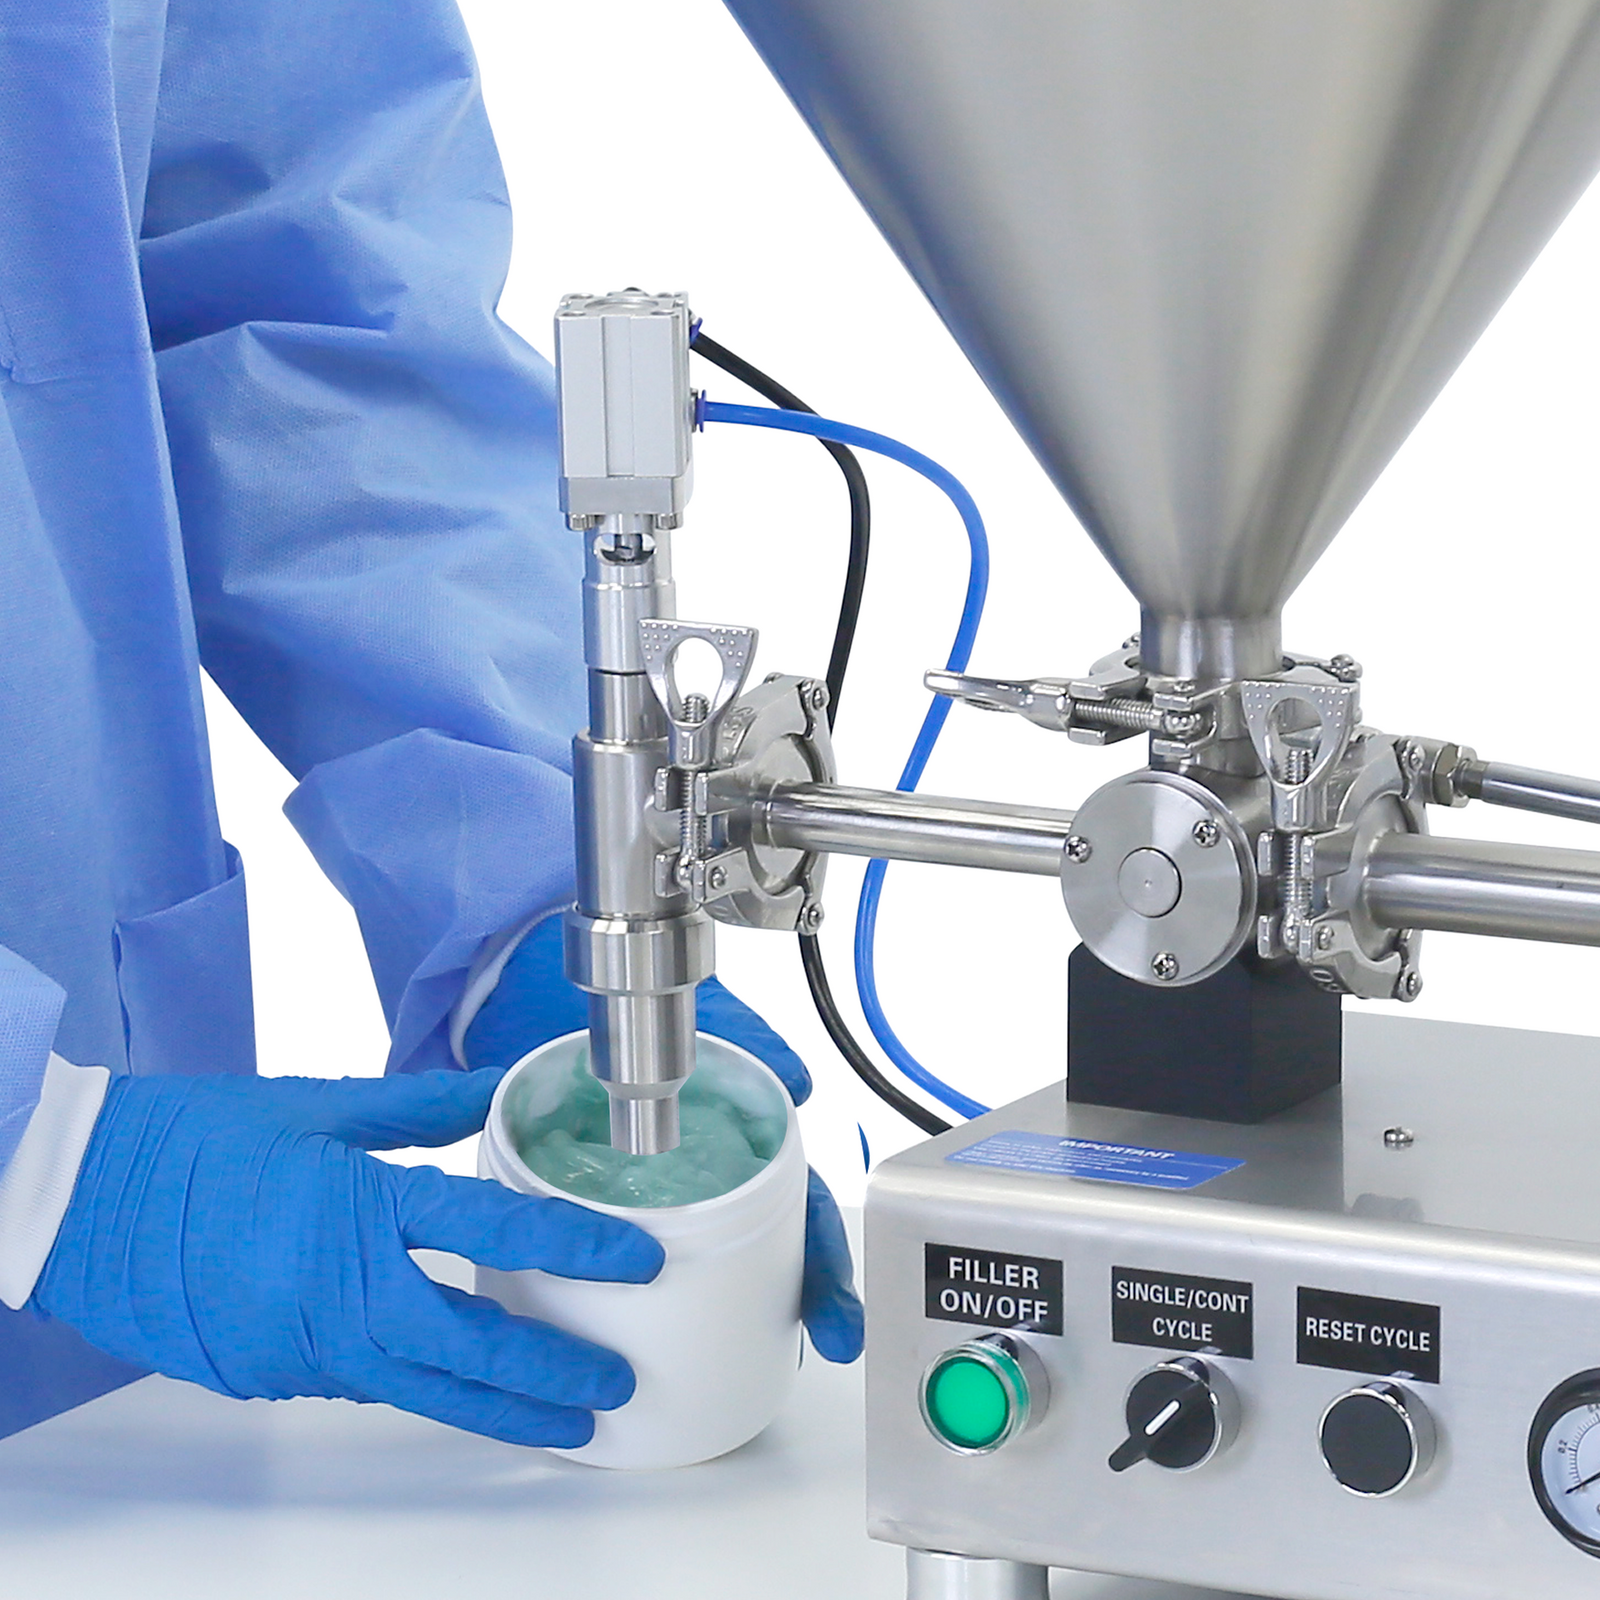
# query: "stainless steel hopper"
{"type": "Point", "coordinates": [1214, 257]}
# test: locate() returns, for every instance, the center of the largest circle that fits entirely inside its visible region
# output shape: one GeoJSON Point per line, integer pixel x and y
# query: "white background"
{"type": "Point", "coordinates": [645, 143]}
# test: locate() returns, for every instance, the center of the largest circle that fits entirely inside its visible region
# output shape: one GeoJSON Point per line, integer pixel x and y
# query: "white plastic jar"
{"type": "Point", "coordinates": [714, 1341]}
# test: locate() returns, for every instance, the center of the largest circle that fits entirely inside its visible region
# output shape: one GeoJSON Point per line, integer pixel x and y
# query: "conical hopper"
{"type": "Point", "coordinates": [1214, 257]}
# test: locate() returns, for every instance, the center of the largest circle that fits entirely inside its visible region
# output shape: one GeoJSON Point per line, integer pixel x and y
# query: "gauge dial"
{"type": "Point", "coordinates": [1564, 1460]}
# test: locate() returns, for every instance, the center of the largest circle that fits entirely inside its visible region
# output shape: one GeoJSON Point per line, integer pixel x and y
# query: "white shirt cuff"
{"type": "Point", "coordinates": [36, 1187]}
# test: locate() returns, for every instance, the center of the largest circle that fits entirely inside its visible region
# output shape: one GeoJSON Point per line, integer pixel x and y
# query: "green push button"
{"type": "Point", "coordinates": [975, 1397]}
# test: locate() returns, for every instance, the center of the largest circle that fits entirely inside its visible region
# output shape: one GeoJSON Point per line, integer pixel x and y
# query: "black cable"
{"type": "Point", "coordinates": [845, 1041]}
{"type": "Point", "coordinates": [844, 635]}
{"type": "Point", "coordinates": [855, 576]}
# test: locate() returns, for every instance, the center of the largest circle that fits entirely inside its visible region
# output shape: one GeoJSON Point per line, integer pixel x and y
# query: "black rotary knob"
{"type": "Point", "coordinates": [1179, 1414]}
{"type": "Point", "coordinates": [1376, 1439]}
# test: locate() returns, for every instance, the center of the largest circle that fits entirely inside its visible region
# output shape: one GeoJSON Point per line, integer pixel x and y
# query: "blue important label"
{"type": "Point", "coordinates": [1088, 1158]}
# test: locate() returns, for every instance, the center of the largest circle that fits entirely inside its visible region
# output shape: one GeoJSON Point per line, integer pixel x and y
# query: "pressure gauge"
{"type": "Point", "coordinates": [1564, 1460]}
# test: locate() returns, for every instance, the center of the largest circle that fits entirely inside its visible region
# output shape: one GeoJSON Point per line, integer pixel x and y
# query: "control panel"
{"type": "Point", "coordinates": [1247, 1382]}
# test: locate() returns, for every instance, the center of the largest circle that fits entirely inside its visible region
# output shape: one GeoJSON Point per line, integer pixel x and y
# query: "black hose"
{"type": "Point", "coordinates": [855, 574]}
{"type": "Point", "coordinates": [844, 636]}
{"type": "Point", "coordinates": [845, 1041]}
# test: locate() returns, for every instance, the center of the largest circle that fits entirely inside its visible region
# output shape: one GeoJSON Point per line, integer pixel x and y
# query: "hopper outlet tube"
{"type": "Point", "coordinates": [1211, 650]}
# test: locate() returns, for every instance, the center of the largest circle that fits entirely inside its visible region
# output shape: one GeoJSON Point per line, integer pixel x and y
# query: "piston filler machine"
{"type": "Point", "coordinates": [1264, 1297]}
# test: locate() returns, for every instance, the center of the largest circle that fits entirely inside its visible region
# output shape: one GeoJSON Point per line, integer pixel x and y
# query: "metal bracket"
{"type": "Point", "coordinates": [1045, 702]}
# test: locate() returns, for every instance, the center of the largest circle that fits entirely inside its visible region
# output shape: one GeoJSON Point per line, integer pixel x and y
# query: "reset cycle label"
{"type": "Point", "coordinates": [1053, 1156]}
{"type": "Point", "coordinates": [1171, 1311]}
{"type": "Point", "coordinates": [1359, 1333]}
{"type": "Point", "coordinates": [991, 1288]}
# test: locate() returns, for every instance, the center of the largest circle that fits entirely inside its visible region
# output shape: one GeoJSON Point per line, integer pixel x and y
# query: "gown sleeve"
{"type": "Point", "coordinates": [364, 461]}
{"type": "Point", "coordinates": [30, 1008]}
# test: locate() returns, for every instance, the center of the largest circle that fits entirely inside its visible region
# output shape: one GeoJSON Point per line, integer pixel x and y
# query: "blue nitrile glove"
{"type": "Point", "coordinates": [234, 1231]}
{"type": "Point", "coordinates": [533, 1003]}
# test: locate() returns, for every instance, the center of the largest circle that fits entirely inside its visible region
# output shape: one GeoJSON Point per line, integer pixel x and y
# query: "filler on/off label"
{"type": "Point", "coordinates": [992, 1289]}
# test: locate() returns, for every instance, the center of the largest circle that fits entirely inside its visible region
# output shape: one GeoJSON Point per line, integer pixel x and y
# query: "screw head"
{"type": "Point", "coordinates": [1206, 833]}
{"type": "Point", "coordinates": [817, 696]}
{"type": "Point", "coordinates": [1325, 938]}
{"type": "Point", "coordinates": [1184, 685]}
{"type": "Point", "coordinates": [1398, 1138]}
{"type": "Point", "coordinates": [1345, 668]}
{"type": "Point", "coordinates": [1410, 984]}
{"type": "Point", "coordinates": [811, 916]}
{"type": "Point", "coordinates": [1078, 849]}
{"type": "Point", "coordinates": [718, 877]}
{"type": "Point", "coordinates": [1165, 966]}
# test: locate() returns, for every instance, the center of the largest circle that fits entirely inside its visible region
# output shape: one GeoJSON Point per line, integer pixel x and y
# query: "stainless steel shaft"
{"type": "Point", "coordinates": [913, 827]}
{"type": "Point", "coordinates": [1553, 794]}
{"type": "Point", "coordinates": [637, 952]}
{"type": "Point", "coordinates": [1507, 891]}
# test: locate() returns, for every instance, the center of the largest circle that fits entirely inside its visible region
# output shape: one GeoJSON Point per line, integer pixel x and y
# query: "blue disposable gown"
{"type": "Point", "coordinates": [257, 412]}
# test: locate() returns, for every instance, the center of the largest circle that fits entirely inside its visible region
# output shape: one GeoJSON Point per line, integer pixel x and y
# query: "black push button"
{"type": "Point", "coordinates": [1376, 1439]}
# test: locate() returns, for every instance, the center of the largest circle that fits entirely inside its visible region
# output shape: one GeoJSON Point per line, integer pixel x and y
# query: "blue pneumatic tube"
{"type": "Point", "coordinates": [932, 722]}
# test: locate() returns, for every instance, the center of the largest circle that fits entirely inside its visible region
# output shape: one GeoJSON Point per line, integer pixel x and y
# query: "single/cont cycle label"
{"type": "Point", "coordinates": [1172, 1311]}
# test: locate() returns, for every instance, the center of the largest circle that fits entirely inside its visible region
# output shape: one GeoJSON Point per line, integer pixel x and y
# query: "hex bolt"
{"type": "Point", "coordinates": [1206, 833]}
{"type": "Point", "coordinates": [1398, 1138]}
{"type": "Point", "coordinates": [1078, 849]}
{"type": "Point", "coordinates": [1165, 966]}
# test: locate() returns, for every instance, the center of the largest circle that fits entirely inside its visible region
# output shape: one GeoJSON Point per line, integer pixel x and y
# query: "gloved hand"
{"type": "Point", "coordinates": [533, 1003]}
{"type": "Point", "coordinates": [233, 1231]}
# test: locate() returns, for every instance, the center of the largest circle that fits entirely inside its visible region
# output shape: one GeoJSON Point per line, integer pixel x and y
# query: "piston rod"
{"type": "Point", "coordinates": [913, 827]}
{"type": "Point", "coordinates": [1506, 891]}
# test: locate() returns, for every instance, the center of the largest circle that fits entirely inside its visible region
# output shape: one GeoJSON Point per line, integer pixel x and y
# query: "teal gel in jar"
{"type": "Point", "coordinates": [560, 1124]}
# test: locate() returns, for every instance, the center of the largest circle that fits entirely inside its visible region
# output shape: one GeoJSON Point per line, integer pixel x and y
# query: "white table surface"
{"type": "Point", "coordinates": [163, 1491]}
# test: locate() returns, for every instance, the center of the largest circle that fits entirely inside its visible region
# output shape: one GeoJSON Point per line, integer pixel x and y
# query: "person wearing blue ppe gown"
{"type": "Point", "coordinates": [257, 412]}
